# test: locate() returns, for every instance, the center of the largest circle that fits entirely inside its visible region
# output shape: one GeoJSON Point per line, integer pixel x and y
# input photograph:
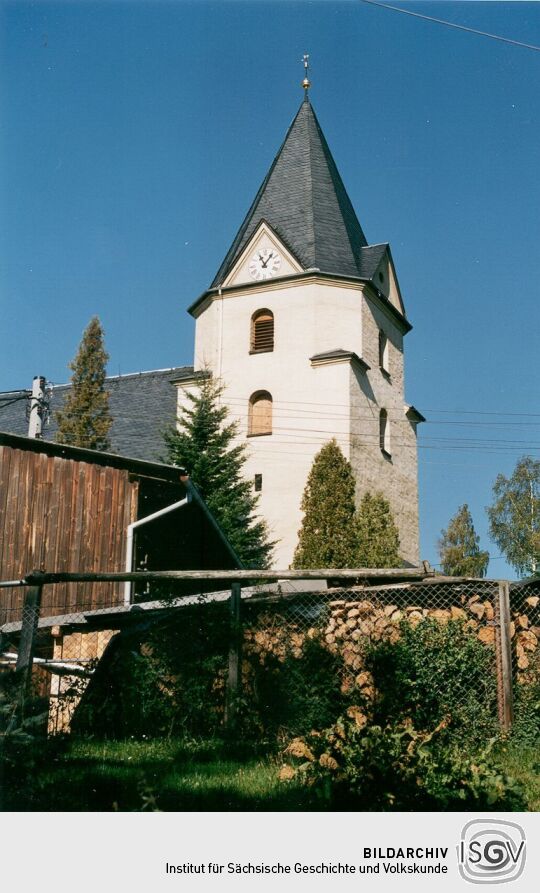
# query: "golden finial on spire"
{"type": "Point", "coordinates": [306, 83]}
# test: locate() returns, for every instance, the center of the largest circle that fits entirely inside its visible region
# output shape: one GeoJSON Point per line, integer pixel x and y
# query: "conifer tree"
{"type": "Point", "coordinates": [459, 548]}
{"type": "Point", "coordinates": [377, 534]}
{"type": "Point", "coordinates": [203, 444]}
{"type": "Point", "coordinates": [85, 419]}
{"type": "Point", "coordinates": [327, 537]}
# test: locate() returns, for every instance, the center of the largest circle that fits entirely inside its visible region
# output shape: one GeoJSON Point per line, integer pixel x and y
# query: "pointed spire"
{"type": "Point", "coordinates": [306, 83]}
{"type": "Point", "coordinates": [305, 202]}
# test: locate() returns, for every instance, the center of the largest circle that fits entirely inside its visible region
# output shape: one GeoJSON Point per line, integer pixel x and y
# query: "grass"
{"type": "Point", "coordinates": [150, 775]}
{"type": "Point", "coordinates": [171, 775]}
{"type": "Point", "coordinates": [523, 763]}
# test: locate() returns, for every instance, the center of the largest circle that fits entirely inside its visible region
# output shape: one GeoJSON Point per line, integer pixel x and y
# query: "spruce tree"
{"type": "Point", "coordinates": [459, 548]}
{"type": "Point", "coordinates": [327, 537]}
{"type": "Point", "coordinates": [85, 419]}
{"type": "Point", "coordinates": [204, 445]}
{"type": "Point", "coordinates": [377, 534]}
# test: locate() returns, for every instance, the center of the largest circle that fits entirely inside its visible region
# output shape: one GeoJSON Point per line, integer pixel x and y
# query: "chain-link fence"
{"type": "Point", "coordinates": [274, 662]}
{"type": "Point", "coordinates": [524, 634]}
{"type": "Point", "coordinates": [429, 649]}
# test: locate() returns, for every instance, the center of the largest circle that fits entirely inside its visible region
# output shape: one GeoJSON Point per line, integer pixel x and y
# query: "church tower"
{"type": "Point", "coordinates": [304, 324]}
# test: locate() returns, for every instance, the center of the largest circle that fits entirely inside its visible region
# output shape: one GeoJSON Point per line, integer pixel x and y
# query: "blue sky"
{"type": "Point", "coordinates": [134, 137]}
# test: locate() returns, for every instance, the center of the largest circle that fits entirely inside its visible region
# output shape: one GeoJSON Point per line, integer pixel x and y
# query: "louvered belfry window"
{"type": "Point", "coordinates": [260, 413]}
{"type": "Point", "coordinates": [262, 331]}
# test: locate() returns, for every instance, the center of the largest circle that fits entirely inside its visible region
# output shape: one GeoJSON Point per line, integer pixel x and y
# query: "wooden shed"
{"type": "Point", "coordinates": [66, 509]}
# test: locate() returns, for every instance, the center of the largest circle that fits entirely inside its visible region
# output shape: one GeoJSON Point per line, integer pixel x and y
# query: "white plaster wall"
{"type": "Point", "coordinates": [310, 317]}
{"type": "Point", "coordinates": [207, 337]}
{"type": "Point", "coordinates": [313, 404]}
{"type": "Point", "coordinates": [305, 416]}
{"type": "Point", "coordinates": [309, 403]}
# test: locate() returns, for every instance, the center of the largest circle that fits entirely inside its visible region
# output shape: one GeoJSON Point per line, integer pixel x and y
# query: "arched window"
{"type": "Point", "coordinates": [383, 351]}
{"type": "Point", "coordinates": [262, 331]}
{"type": "Point", "coordinates": [260, 413]}
{"type": "Point", "coordinates": [384, 432]}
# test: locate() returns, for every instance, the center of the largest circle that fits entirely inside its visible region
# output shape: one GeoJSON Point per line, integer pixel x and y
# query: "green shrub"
{"type": "Point", "coordinates": [167, 679]}
{"type": "Point", "coordinates": [526, 727]}
{"type": "Point", "coordinates": [294, 694]}
{"type": "Point", "coordinates": [396, 767]}
{"type": "Point", "coordinates": [436, 670]}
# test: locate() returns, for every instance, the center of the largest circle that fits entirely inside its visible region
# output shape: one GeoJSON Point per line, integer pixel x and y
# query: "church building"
{"type": "Point", "coordinates": [304, 325]}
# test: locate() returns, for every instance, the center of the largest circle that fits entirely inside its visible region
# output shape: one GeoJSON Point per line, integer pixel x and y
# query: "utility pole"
{"type": "Point", "coordinates": [37, 407]}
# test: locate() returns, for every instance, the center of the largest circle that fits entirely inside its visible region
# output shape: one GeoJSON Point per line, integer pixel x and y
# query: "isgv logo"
{"type": "Point", "coordinates": [491, 851]}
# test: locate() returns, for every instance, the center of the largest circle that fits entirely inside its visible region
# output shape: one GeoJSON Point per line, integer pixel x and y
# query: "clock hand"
{"type": "Point", "coordinates": [265, 264]}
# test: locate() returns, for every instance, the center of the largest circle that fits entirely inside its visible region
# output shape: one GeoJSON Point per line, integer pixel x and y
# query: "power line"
{"type": "Point", "coordinates": [484, 412]}
{"type": "Point", "coordinates": [288, 409]}
{"type": "Point", "coordinates": [294, 403]}
{"type": "Point", "coordinates": [306, 433]}
{"type": "Point", "coordinates": [419, 15]}
{"type": "Point", "coordinates": [15, 400]}
{"type": "Point", "coordinates": [229, 398]}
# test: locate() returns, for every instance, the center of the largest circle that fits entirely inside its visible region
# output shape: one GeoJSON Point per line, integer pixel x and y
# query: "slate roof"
{"type": "Point", "coordinates": [142, 405]}
{"type": "Point", "coordinates": [305, 202]}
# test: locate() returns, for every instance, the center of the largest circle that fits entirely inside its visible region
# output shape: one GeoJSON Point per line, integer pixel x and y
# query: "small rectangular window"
{"type": "Point", "coordinates": [258, 483]}
{"type": "Point", "coordinates": [383, 352]}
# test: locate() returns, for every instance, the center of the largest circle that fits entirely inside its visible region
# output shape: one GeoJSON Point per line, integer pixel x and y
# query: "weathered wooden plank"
{"type": "Point", "coordinates": [114, 532]}
{"type": "Point", "coordinates": [81, 503]}
{"type": "Point", "coordinates": [48, 490]}
{"type": "Point", "coordinates": [71, 481]}
{"type": "Point", "coordinates": [38, 508]}
{"type": "Point", "coordinates": [6, 462]}
{"type": "Point", "coordinates": [103, 593]}
{"type": "Point", "coordinates": [6, 566]}
{"type": "Point", "coordinates": [67, 494]}
{"type": "Point", "coordinates": [16, 518]}
{"type": "Point", "coordinates": [100, 594]}
{"type": "Point", "coordinates": [54, 533]}
{"type": "Point", "coordinates": [12, 513]}
{"type": "Point", "coordinates": [114, 525]}
{"type": "Point", "coordinates": [239, 575]}
{"type": "Point", "coordinates": [18, 547]}
{"type": "Point", "coordinates": [24, 506]}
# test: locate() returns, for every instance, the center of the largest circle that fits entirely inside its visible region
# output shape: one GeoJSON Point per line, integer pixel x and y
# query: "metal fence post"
{"type": "Point", "coordinates": [234, 678]}
{"type": "Point", "coordinates": [504, 674]}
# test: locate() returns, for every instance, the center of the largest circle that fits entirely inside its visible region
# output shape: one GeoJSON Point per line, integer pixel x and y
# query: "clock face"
{"type": "Point", "coordinates": [264, 264]}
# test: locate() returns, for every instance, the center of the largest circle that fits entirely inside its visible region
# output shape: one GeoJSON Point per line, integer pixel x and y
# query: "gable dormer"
{"type": "Point", "coordinates": [377, 266]}
{"type": "Point", "coordinates": [385, 279]}
{"type": "Point", "coordinates": [264, 257]}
